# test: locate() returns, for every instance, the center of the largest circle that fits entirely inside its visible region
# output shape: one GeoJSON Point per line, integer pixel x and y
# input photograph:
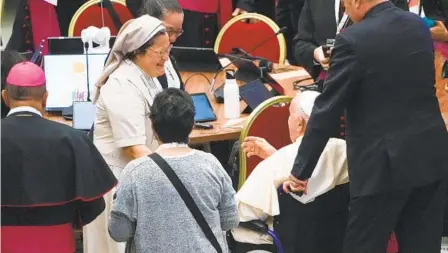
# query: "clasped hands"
{"type": "Point", "coordinates": [256, 146]}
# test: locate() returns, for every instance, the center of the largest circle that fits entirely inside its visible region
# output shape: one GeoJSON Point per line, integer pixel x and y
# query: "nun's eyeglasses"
{"type": "Point", "coordinates": [162, 53]}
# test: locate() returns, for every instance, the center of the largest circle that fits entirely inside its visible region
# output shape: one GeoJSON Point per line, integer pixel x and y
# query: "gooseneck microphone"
{"type": "Point", "coordinates": [38, 52]}
{"type": "Point", "coordinates": [86, 46]}
{"type": "Point", "coordinates": [212, 83]}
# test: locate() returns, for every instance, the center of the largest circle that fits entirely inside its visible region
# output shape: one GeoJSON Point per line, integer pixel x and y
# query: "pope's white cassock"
{"type": "Point", "coordinates": [258, 200]}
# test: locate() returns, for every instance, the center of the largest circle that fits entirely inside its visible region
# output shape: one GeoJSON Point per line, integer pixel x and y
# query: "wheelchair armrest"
{"type": "Point", "coordinates": [255, 225]}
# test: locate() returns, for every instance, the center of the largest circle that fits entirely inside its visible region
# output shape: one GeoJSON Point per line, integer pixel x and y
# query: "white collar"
{"type": "Point", "coordinates": [24, 109]}
{"type": "Point", "coordinates": [339, 23]}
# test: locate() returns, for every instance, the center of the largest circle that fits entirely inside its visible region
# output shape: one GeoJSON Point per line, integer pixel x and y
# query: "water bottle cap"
{"type": "Point", "coordinates": [230, 74]}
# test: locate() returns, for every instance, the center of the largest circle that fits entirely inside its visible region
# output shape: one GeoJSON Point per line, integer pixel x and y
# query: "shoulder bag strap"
{"type": "Point", "coordinates": [186, 197]}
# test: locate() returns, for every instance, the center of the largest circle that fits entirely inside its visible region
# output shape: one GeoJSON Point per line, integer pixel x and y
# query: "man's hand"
{"type": "Point", "coordinates": [320, 58]}
{"type": "Point", "coordinates": [257, 146]}
{"type": "Point", "coordinates": [439, 32]}
{"type": "Point", "coordinates": [294, 185]}
{"type": "Point", "coordinates": [239, 11]}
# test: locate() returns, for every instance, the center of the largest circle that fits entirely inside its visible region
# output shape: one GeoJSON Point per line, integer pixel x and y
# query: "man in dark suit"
{"type": "Point", "coordinates": [382, 74]}
{"type": "Point", "coordinates": [319, 22]}
{"type": "Point", "coordinates": [287, 15]}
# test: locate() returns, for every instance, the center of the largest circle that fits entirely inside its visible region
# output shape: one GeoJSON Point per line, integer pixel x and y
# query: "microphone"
{"type": "Point", "coordinates": [86, 45]}
{"type": "Point", "coordinates": [212, 83]}
{"type": "Point", "coordinates": [38, 52]}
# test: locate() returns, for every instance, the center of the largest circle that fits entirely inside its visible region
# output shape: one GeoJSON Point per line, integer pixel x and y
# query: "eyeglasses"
{"type": "Point", "coordinates": [162, 53]}
{"type": "Point", "coordinates": [177, 33]}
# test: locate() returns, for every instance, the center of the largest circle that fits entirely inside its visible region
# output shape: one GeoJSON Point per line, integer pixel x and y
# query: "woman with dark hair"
{"type": "Point", "coordinates": [9, 59]}
{"type": "Point", "coordinates": [163, 223]}
{"type": "Point", "coordinates": [124, 93]}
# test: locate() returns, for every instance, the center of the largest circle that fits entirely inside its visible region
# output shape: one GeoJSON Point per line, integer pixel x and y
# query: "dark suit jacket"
{"type": "Point", "coordinates": [287, 15]}
{"type": "Point", "coordinates": [316, 24]}
{"type": "Point", "coordinates": [382, 73]}
{"type": "Point", "coordinates": [264, 7]}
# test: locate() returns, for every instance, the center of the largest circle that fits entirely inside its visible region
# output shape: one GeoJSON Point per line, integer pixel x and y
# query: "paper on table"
{"type": "Point", "coordinates": [224, 61]}
{"type": "Point", "coordinates": [290, 74]}
{"type": "Point", "coordinates": [53, 2]}
{"type": "Point", "coordinates": [235, 123]}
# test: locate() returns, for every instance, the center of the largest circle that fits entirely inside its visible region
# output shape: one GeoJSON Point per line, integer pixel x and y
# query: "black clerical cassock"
{"type": "Point", "coordinates": [53, 178]}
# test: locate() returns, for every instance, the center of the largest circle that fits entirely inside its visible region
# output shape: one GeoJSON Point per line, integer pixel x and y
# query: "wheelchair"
{"type": "Point", "coordinates": [299, 226]}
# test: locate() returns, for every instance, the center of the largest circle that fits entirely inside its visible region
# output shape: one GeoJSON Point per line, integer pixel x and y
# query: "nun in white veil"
{"type": "Point", "coordinates": [123, 96]}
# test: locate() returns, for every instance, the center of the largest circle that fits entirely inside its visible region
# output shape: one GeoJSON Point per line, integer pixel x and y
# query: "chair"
{"type": "Point", "coordinates": [272, 111]}
{"type": "Point", "coordinates": [91, 14]}
{"type": "Point", "coordinates": [238, 34]}
{"type": "Point", "coordinates": [2, 5]}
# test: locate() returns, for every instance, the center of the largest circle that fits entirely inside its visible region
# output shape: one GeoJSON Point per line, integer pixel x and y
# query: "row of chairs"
{"type": "Point", "coordinates": [236, 33]}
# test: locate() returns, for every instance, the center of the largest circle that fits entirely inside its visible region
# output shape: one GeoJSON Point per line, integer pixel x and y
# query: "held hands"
{"type": "Point", "coordinates": [320, 58]}
{"type": "Point", "coordinates": [294, 185]}
{"type": "Point", "coordinates": [257, 146]}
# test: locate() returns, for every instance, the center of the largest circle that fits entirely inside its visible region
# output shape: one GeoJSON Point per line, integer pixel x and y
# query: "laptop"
{"type": "Point", "coordinates": [196, 59]}
{"type": "Point", "coordinates": [254, 93]}
{"type": "Point", "coordinates": [248, 72]}
{"type": "Point", "coordinates": [69, 45]}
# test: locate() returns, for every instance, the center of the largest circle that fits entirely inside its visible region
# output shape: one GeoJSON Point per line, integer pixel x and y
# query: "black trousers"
{"type": "Point", "coordinates": [416, 216]}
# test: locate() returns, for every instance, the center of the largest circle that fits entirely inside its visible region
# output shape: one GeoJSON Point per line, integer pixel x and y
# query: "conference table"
{"type": "Point", "coordinates": [223, 129]}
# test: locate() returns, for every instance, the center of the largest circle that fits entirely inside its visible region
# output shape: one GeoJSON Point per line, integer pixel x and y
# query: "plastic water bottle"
{"type": "Point", "coordinates": [231, 96]}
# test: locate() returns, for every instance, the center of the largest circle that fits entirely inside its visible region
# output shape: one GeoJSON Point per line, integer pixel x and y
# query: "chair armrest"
{"type": "Point", "coordinates": [255, 225]}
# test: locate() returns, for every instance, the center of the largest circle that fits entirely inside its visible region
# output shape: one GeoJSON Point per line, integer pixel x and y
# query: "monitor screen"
{"type": "Point", "coordinates": [83, 115]}
{"type": "Point", "coordinates": [254, 93]}
{"type": "Point", "coordinates": [67, 78]}
{"type": "Point", "coordinates": [204, 110]}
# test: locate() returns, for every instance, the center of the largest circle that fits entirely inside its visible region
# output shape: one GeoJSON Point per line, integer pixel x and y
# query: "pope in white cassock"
{"type": "Point", "coordinates": [258, 198]}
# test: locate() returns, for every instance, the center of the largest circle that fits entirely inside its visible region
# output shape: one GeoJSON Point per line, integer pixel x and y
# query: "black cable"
{"type": "Point", "coordinates": [296, 83]}
{"type": "Point", "coordinates": [196, 74]}
{"type": "Point", "coordinates": [86, 45]}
